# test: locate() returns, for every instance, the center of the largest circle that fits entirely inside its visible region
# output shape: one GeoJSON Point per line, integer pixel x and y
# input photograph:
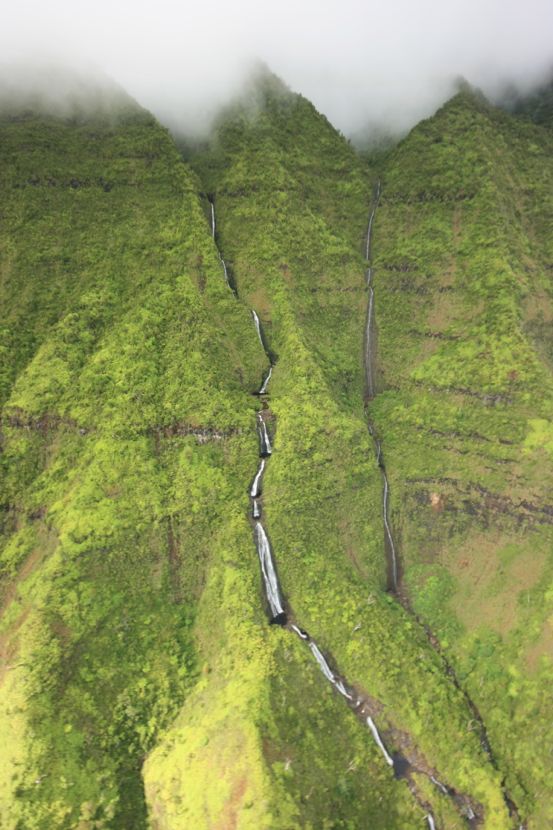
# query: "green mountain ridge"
{"type": "Point", "coordinates": [141, 685]}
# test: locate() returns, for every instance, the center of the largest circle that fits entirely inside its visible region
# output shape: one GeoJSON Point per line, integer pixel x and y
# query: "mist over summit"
{"type": "Point", "coordinates": [379, 66]}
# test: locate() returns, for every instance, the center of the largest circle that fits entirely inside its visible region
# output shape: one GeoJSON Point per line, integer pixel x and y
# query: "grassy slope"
{"type": "Point", "coordinates": [292, 202]}
{"type": "Point", "coordinates": [320, 762]}
{"type": "Point", "coordinates": [119, 332]}
{"type": "Point", "coordinates": [129, 577]}
{"type": "Point", "coordinates": [463, 255]}
{"type": "Point", "coordinates": [131, 591]}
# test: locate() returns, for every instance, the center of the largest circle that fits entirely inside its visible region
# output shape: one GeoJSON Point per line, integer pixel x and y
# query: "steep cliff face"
{"type": "Point", "coordinates": [141, 684]}
{"type": "Point", "coordinates": [297, 259]}
{"type": "Point", "coordinates": [127, 430]}
{"type": "Point", "coordinates": [463, 253]}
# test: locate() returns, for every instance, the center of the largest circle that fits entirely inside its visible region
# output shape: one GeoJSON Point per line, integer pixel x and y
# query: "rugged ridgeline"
{"type": "Point", "coordinates": [462, 259]}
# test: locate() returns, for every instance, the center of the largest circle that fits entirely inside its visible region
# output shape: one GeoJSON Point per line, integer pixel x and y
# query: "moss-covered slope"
{"type": "Point", "coordinates": [297, 259]}
{"type": "Point", "coordinates": [462, 255]}
{"type": "Point", "coordinates": [127, 435]}
{"type": "Point", "coordinates": [140, 683]}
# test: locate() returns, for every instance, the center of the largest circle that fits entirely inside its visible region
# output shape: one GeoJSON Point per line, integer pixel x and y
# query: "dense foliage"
{"type": "Point", "coordinates": [463, 254]}
{"type": "Point", "coordinates": [140, 684]}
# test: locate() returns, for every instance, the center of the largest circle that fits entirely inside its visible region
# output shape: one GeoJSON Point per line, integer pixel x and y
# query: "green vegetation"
{"type": "Point", "coordinates": [114, 304]}
{"type": "Point", "coordinates": [462, 276]}
{"type": "Point", "coordinates": [140, 684]}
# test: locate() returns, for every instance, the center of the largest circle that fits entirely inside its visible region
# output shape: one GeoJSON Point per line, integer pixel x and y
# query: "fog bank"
{"type": "Point", "coordinates": [379, 64]}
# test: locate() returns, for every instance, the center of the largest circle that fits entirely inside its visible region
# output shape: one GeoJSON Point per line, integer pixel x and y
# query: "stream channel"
{"type": "Point", "coordinates": [280, 613]}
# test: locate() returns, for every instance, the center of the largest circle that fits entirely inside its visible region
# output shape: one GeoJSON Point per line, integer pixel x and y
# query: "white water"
{"type": "Point", "coordinates": [272, 588]}
{"type": "Point", "coordinates": [371, 219]}
{"type": "Point", "coordinates": [256, 510]}
{"type": "Point", "coordinates": [221, 260]}
{"type": "Point", "coordinates": [378, 739]}
{"type": "Point", "coordinates": [257, 326]}
{"type": "Point", "coordinates": [256, 486]}
{"type": "Point", "coordinates": [224, 270]}
{"type": "Point", "coordinates": [439, 785]}
{"type": "Point", "coordinates": [389, 532]}
{"type": "Point", "coordinates": [430, 821]}
{"type": "Point", "coordinates": [325, 668]}
{"type": "Point", "coordinates": [264, 436]}
{"type": "Point", "coordinates": [342, 689]}
{"type": "Point", "coordinates": [368, 361]}
{"type": "Point", "coordinates": [266, 382]}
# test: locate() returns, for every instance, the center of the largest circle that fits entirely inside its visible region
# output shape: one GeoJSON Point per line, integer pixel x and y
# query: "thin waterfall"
{"type": "Point", "coordinates": [390, 538]}
{"type": "Point", "coordinates": [369, 361]}
{"type": "Point", "coordinates": [439, 785]}
{"type": "Point", "coordinates": [370, 228]}
{"type": "Point", "coordinates": [300, 632]}
{"type": "Point", "coordinates": [221, 260]}
{"type": "Point", "coordinates": [391, 548]}
{"type": "Point", "coordinates": [325, 668]}
{"type": "Point", "coordinates": [376, 735]}
{"type": "Point", "coordinates": [272, 587]}
{"type": "Point", "coordinates": [264, 441]}
{"type": "Point", "coordinates": [257, 327]}
{"type": "Point", "coordinates": [265, 383]}
{"type": "Point", "coordinates": [255, 490]}
{"type": "Point", "coordinates": [368, 345]}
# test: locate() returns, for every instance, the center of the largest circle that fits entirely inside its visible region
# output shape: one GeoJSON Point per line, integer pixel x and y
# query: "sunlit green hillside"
{"type": "Point", "coordinates": [141, 685]}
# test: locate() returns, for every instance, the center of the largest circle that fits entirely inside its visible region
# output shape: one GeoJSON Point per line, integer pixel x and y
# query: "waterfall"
{"type": "Point", "coordinates": [256, 510]}
{"type": "Point", "coordinates": [272, 588]}
{"type": "Point", "coordinates": [439, 785]}
{"type": "Point", "coordinates": [325, 668]}
{"type": "Point", "coordinates": [266, 382]}
{"type": "Point", "coordinates": [255, 491]}
{"type": "Point", "coordinates": [389, 536]}
{"type": "Point", "coordinates": [221, 260]}
{"type": "Point", "coordinates": [323, 665]}
{"type": "Point", "coordinates": [430, 821]}
{"type": "Point", "coordinates": [370, 228]}
{"type": "Point", "coordinates": [371, 392]}
{"type": "Point", "coordinates": [300, 632]}
{"type": "Point", "coordinates": [342, 689]}
{"type": "Point", "coordinates": [257, 327]}
{"type": "Point", "coordinates": [264, 442]}
{"type": "Point", "coordinates": [223, 263]}
{"type": "Point", "coordinates": [378, 739]}
{"type": "Point", "coordinates": [368, 355]}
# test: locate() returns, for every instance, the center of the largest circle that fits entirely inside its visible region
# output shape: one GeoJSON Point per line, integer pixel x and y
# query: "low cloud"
{"type": "Point", "coordinates": [366, 65]}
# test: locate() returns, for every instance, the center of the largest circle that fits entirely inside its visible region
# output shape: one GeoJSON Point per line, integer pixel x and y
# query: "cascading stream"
{"type": "Point", "coordinates": [390, 546]}
{"type": "Point", "coordinates": [280, 614]}
{"type": "Point", "coordinates": [221, 260]}
{"type": "Point", "coordinates": [272, 586]}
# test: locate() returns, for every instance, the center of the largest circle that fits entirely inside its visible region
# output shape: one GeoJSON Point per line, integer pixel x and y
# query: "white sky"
{"type": "Point", "coordinates": [359, 61]}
